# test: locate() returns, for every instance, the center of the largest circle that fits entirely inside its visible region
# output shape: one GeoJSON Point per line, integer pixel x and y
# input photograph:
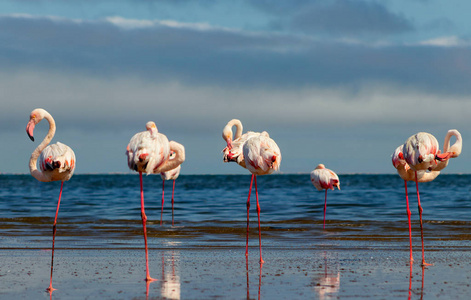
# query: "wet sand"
{"type": "Point", "coordinates": [224, 273]}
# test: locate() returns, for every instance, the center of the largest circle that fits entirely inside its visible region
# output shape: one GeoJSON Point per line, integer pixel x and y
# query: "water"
{"type": "Point", "coordinates": [103, 212]}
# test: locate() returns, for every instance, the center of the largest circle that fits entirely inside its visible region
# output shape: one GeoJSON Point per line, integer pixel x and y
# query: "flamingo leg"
{"type": "Point", "coordinates": [50, 288]}
{"type": "Point", "coordinates": [421, 225]}
{"type": "Point", "coordinates": [173, 192]}
{"type": "Point", "coordinates": [248, 207]}
{"type": "Point", "coordinates": [258, 213]}
{"type": "Point", "coordinates": [162, 210]}
{"type": "Point", "coordinates": [144, 220]}
{"type": "Point", "coordinates": [325, 206]}
{"type": "Point", "coordinates": [408, 218]}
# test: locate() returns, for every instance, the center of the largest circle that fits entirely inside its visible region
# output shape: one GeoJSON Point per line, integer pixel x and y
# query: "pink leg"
{"type": "Point", "coordinates": [408, 218]}
{"type": "Point", "coordinates": [162, 210]}
{"type": "Point", "coordinates": [258, 213]}
{"type": "Point", "coordinates": [421, 226]}
{"type": "Point", "coordinates": [50, 288]}
{"type": "Point", "coordinates": [173, 192]}
{"type": "Point", "coordinates": [248, 207]}
{"type": "Point", "coordinates": [144, 220]}
{"type": "Point", "coordinates": [325, 206]}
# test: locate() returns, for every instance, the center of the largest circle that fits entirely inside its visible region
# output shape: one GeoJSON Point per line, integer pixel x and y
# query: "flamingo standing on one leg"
{"type": "Point", "coordinates": [234, 151]}
{"type": "Point", "coordinates": [169, 175]}
{"type": "Point", "coordinates": [148, 152]}
{"type": "Point", "coordinates": [407, 174]}
{"type": "Point", "coordinates": [56, 161]}
{"type": "Point", "coordinates": [421, 153]}
{"type": "Point", "coordinates": [262, 156]}
{"type": "Point", "coordinates": [324, 179]}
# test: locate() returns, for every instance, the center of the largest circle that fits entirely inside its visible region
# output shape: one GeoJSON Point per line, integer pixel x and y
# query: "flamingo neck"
{"type": "Point", "coordinates": [34, 156]}
{"type": "Point", "coordinates": [177, 160]}
{"type": "Point", "coordinates": [227, 131]}
{"type": "Point", "coordinates": [456, 147]}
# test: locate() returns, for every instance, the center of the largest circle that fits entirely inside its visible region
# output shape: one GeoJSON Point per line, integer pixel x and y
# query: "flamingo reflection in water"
{"type": "Point", "coordinates": [328, 285]}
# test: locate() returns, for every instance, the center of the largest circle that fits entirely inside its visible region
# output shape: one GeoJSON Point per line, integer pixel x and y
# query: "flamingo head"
{"type": "Point", "coordinates": [34, 118]}
{"type": "Point", "coordinates": [227, 135]}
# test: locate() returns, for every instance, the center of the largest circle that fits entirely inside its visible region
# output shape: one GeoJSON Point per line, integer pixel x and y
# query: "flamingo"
{"type": "Point", "coordinates": [407, 174]}
{"type": "Point", "coordinates": [324, 179]}
{"type": "Point", "coordinates": [56, 162]}
{"type": "Point", "coordinates": [262, 156]}
{"type": "Point", "coordinates": [148, 152]}
{"type": "Point", "coordinates": [421, 153]}
{"type": "Point", "coordinates": [169, 175]}
{"type": "Point", "coordinates": [260, 147]}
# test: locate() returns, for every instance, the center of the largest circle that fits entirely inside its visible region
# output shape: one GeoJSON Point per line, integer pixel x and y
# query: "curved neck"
{"type": "Point", "coordinates": [177, 160]}
{"type": "Point", "coordinates": [239, 128]}
{"type": "Point", "coordinates": [456, 147]}
{"type": "Point", "coordinates": [227, 131]}
{"type": "Point", "coordinates": [34, 156]}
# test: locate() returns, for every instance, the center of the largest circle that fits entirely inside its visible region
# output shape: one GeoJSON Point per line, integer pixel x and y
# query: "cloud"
{"type": "Point", "coordinates": [338, 17]}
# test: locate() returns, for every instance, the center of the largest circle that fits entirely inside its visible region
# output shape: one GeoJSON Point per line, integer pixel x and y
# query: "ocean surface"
{"type": "Point", "coordinates": [103, 212]}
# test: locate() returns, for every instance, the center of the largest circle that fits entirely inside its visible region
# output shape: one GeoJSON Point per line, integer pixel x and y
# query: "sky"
{"type": "Point", "coordinates": [338, 82]}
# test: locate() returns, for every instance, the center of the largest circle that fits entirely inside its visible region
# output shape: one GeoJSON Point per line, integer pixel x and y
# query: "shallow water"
{"type": "Point", "coordinates": [103, 211]}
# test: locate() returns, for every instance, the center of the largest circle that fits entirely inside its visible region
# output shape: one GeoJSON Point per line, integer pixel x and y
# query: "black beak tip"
{"type": "Point", "coordinates": [31, 137]}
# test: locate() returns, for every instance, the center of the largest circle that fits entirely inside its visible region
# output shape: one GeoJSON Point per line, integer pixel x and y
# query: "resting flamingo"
{"type": "Point", "coordinates": [407, 174]}
{"type": "Point", "coordinates": [324, 179]}
{"type": "Point", "coordinates": [263, 157]}
{"type": "Point", "coordinates": [421, 153]}
{"type": "Point", "coordinates": [169, 175]}
{"type": "Point", "coordinates": [56, 161]}
{"type": "Point", "coordinates": [148, 152]}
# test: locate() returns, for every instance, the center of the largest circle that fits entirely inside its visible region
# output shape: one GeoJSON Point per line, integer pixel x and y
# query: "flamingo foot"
{"type": "Point", "coordinates": [424, 264]}
{"type": "Point", "coordinates": [50, 289]}
{"type": "Point", "coordinates": [150, 279]}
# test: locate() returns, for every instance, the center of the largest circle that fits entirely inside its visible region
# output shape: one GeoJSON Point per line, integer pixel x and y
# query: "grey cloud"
{"type": "Point", "coordinates": [342, 17]}
{"type": "Point", "coordinates": [225, 58]}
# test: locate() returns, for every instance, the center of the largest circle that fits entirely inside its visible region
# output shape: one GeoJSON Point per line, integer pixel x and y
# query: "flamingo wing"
{"type": "Point", "coordinates": [323, 179]}
{"type": "Point", "coordinates": [262, 155]}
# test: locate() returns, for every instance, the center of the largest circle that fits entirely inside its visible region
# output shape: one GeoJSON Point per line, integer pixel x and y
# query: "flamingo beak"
{"type": "Point", "coordinates": [30, 129]}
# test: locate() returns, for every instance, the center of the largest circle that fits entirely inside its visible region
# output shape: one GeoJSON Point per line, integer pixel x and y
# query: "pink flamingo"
{"type": "Point", "coordinates": [56, 161]}
{"type": "Point", "coordinates": [148, 152]}
{"type": "Point", "coordinates": [263, 157]}
{"type": "Point", "coordinates": [324, 179]}
{"type": "Point", "coordinates": [169, 175]}
{"type": "Point", "coordinates": [421, 153]}
{"type": "Point", "coordinates": [407, 174]}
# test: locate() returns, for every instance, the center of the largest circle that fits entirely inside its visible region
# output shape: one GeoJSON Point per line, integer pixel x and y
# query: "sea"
{"type": "Point", "coordinates": [103, 212]}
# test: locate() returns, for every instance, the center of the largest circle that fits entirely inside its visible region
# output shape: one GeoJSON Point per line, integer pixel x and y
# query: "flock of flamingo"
{"type": "Point", "coordinates": [418, 159]}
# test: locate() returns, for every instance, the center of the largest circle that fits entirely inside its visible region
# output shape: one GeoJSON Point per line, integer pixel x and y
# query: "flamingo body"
{"type": "Point", "coordinates": [147, 150]}
{"type": "Point", "coordinates": [324, 179]}
{"type": "Point", "coordinates": [261, 154]}
{"type": "Point", "coordinates": [420, 151]}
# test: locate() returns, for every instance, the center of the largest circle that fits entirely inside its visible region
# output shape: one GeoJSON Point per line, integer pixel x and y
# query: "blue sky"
{"type": "Point", "coordinates": [340, 82]}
